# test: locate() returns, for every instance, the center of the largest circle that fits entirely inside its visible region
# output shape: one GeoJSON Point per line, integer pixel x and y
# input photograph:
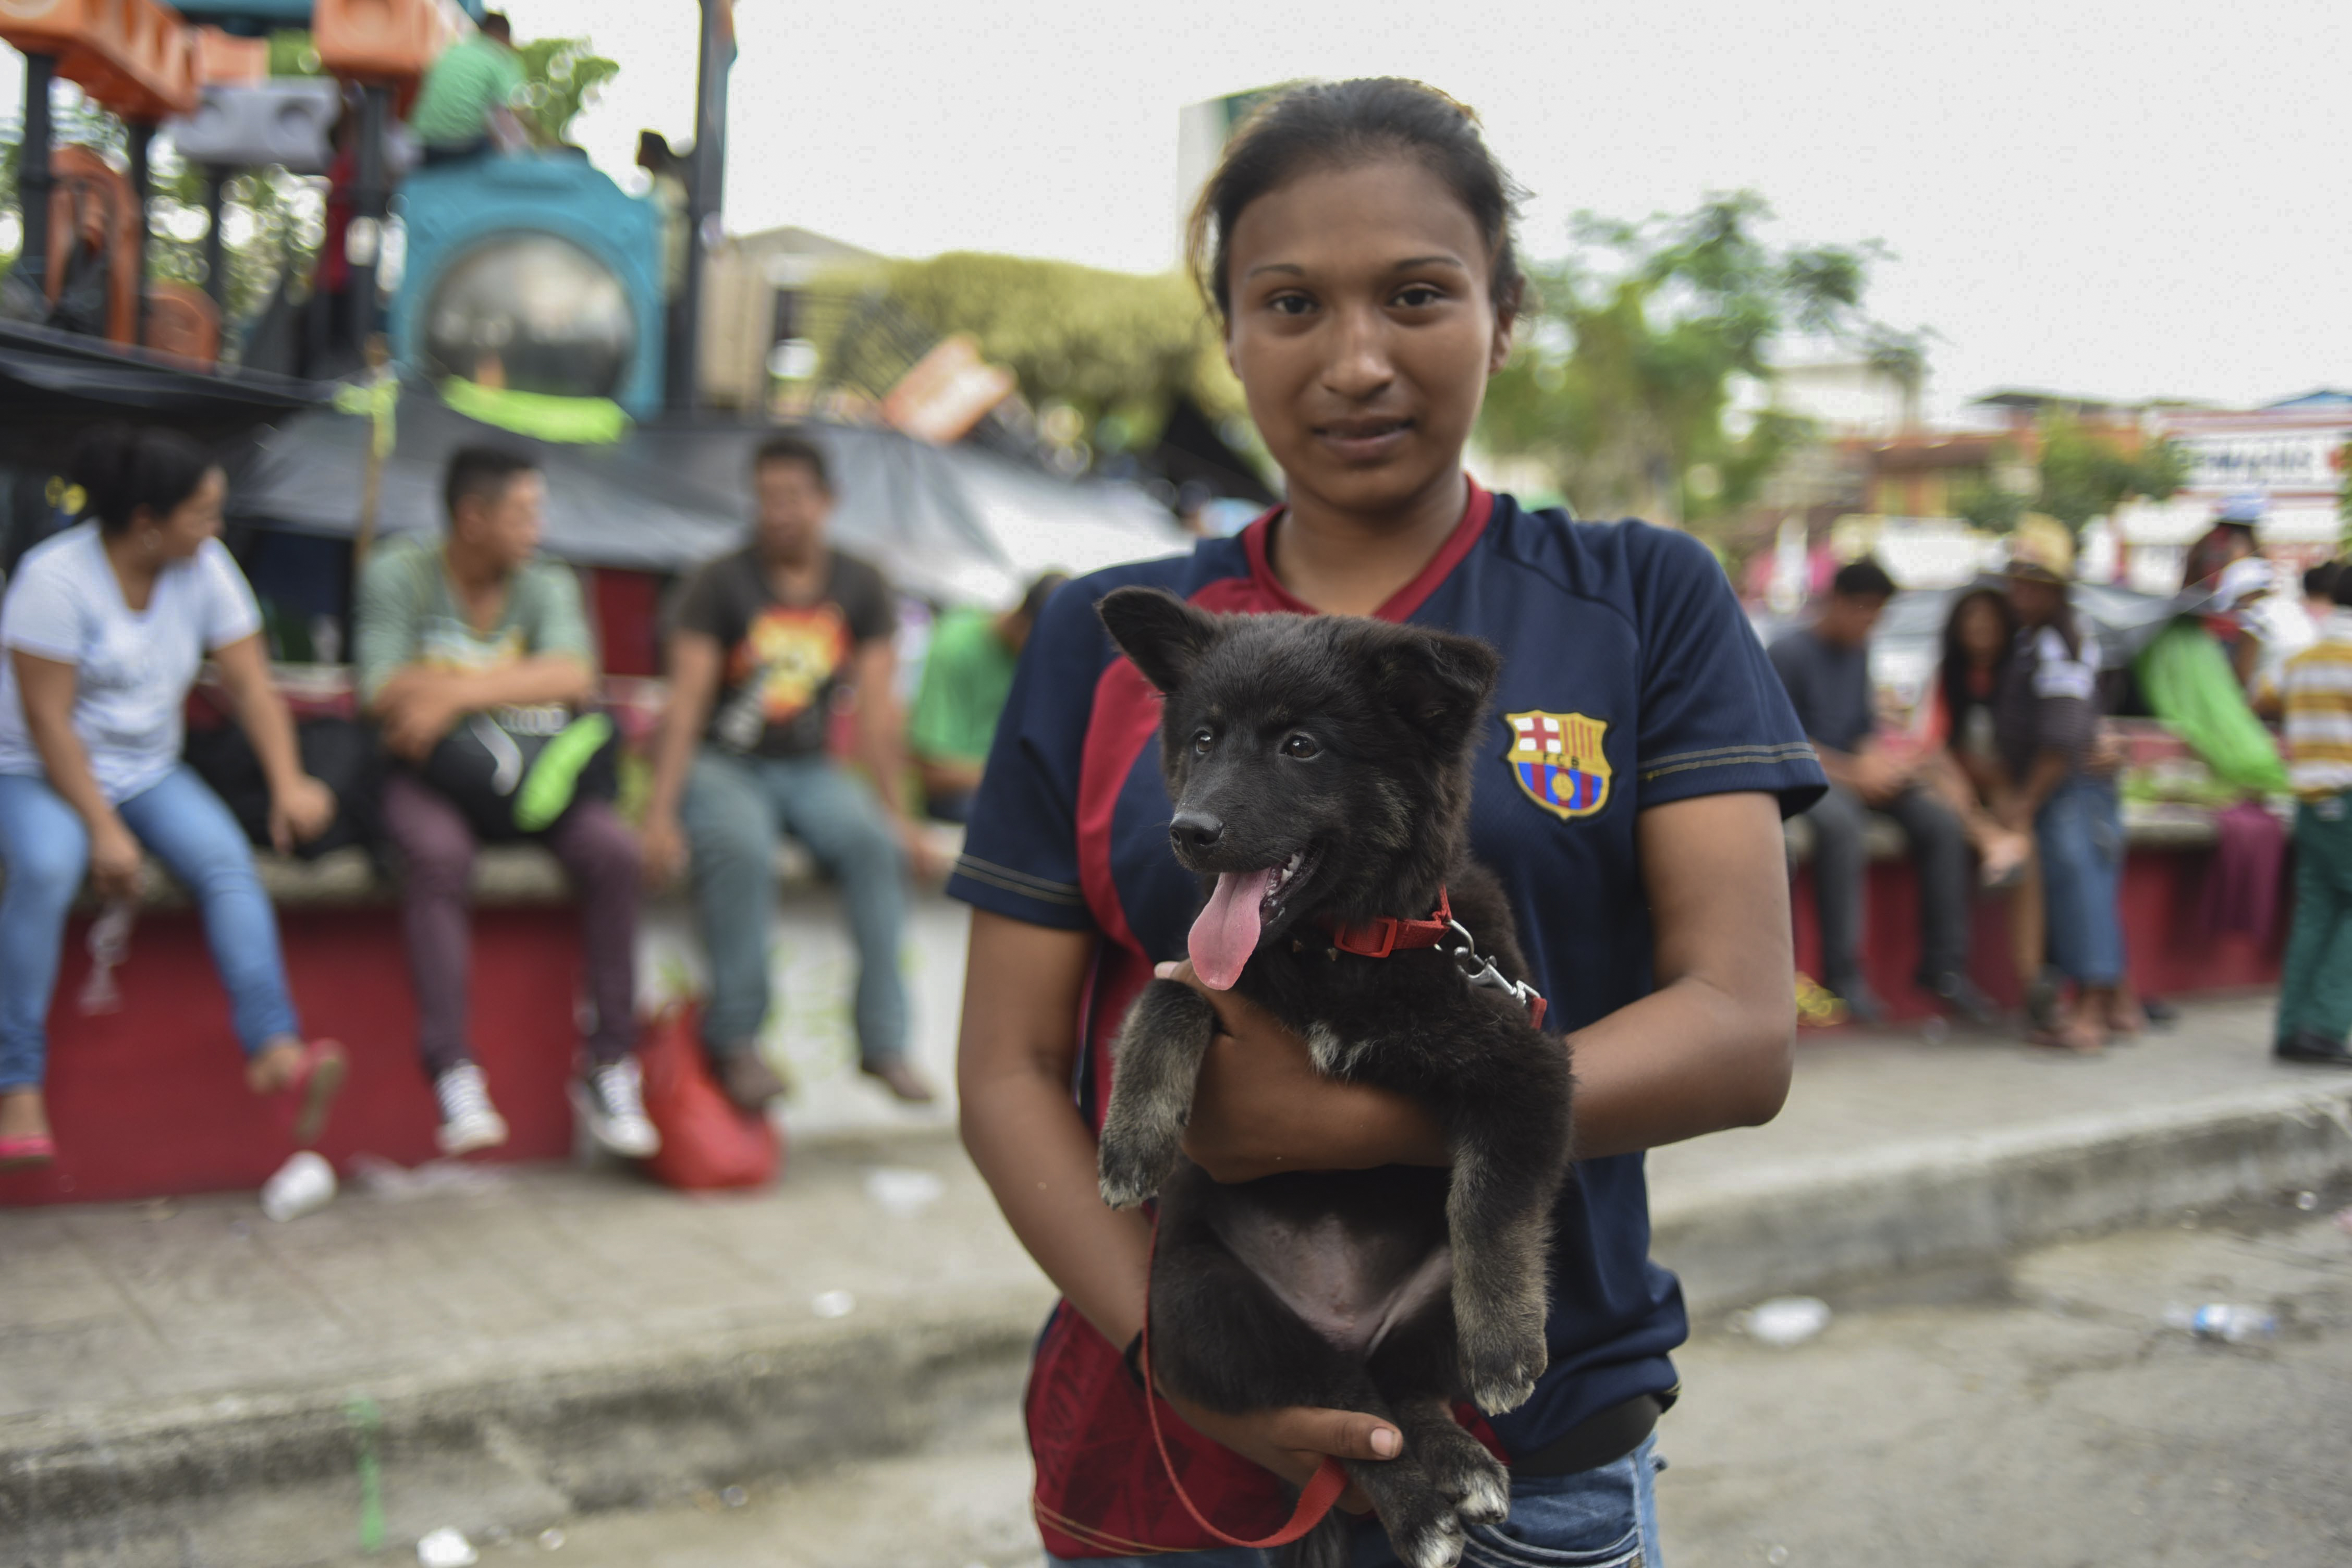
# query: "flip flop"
{"type": "Point", "coordinates": [316, 1083]}
{"type": "Point", "coordinates": [26, 1149]}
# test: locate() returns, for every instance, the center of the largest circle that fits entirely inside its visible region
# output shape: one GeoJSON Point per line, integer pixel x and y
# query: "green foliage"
{"type": "Point", "coordinates": [2085, 474]}
{"type": "Point", "coordinates": [1114, 346]}
{"type": "Point", "coordinates": [1634, 349]}
{"type": "Point", "coordinates": [564, 76]}
{"type": "Point", "coordinates": [2082, 474]}
{"type": "Point", "coordinates": [1988, 506]}
{"type": "Point", "coordinates": [290, 52]}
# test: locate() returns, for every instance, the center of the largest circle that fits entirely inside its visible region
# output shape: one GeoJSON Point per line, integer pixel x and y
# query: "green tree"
{"type": "Point", "coordinates": [564, 76]}
{"type": "Point", "coordinates": [1635, 350]}
{"type": "Point", "coordinates": [2086, 473]}
{"type": "Point", "coordinates": [1116, 346]}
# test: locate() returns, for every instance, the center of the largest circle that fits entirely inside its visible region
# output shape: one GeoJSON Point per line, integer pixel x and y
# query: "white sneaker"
{"type": "Point", "coordinates": [612, 1100]}
{"type": "Point", "coordinates": [469, 1122]}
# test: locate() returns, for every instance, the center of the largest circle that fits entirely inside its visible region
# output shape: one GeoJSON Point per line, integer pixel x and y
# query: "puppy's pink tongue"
{"type": "Point", "coordinates": [1227, 933]}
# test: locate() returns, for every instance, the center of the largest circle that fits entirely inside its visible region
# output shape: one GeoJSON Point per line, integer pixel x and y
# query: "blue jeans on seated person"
{"type": "Point", "coordinates": [1604, 1518]}
{"type": "Point", "coordinates": [735, 807]}
{"type": "Point", "coordinates": [45, 847]}
{"type": "Point", "coordinates": [2080, 833]}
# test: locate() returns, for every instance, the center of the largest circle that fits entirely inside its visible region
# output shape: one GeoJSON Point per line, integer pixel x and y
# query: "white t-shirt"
{"type": "Point", "coordinates": [133, 670]}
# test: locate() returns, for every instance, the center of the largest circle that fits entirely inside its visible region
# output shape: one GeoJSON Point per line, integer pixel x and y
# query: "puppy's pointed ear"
{"type": "Point", "coordinates": [1163, 635]}
{"type": "Point", "coordinates": [1437, 682]}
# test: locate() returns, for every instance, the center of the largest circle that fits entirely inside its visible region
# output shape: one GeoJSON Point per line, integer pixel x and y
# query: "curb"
{"type": "Point", "coordinates": [1815, 1223]}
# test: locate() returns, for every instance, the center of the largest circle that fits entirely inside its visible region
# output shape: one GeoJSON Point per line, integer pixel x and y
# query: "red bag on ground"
{"type": "Point", "coordinates": [706, 1143]}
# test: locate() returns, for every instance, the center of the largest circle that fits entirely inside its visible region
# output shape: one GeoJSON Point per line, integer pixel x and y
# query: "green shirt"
{"type": "Point", "coordinates": [473, 76]}
{"type": "Point", "coordinates": [408, 616]}
{"type": "Point", "coordinates": [967, 675]}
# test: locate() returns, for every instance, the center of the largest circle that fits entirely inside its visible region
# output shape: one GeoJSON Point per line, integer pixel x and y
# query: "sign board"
{"type": "Point", "coordinates": [948, 391]}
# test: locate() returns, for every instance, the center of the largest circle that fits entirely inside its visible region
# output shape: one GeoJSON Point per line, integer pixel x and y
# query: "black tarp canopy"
{"type": "Point", "coordinates": [954, 524]}
{"type": "Point", "coordinates": [53, 385]}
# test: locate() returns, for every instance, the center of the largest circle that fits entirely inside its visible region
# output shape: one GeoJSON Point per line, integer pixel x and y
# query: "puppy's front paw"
{"type": "Point", "coordinates": [1131, 1169]}
{"type": "Point", "coordinates": [1501, 1369]}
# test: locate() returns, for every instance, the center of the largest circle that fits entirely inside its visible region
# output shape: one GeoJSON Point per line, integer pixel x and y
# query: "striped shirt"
{"type": "Point", "coordinates": [2317, 691]}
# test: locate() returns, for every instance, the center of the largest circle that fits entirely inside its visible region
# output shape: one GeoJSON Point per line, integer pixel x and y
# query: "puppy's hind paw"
{"type": "Point", "coordinates": [1473, 1478]}
{"type": "Point", "coordinates": [1434, 1539]}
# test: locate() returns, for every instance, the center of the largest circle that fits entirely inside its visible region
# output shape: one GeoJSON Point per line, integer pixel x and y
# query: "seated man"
{"type": "Point", "coordinates": [966, 673]}
{"type": "Point", "coordinates": [469, 624]}
{"type": "Point", "coordinates": [763, 644]}
{"type": "Point", "coordinates": [1826, 668]}
{"type": "Point", "coordinates": [466, 105]}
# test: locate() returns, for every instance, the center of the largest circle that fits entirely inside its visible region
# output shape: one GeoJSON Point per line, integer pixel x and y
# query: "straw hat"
{"type": "Point", "coordinates": [2041, 550]}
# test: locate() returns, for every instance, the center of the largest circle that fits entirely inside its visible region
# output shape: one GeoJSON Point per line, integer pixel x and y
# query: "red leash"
{"type": "Point", "coordinates": [1323, 1489]}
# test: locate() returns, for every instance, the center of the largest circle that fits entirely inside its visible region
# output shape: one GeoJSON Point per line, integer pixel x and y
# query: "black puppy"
{"type": "Point", "coordinates": [1321, 771]}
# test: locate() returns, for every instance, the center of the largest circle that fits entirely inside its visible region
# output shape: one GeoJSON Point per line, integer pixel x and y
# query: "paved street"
{"type": "Point", "coordinates": [2034, 1416]}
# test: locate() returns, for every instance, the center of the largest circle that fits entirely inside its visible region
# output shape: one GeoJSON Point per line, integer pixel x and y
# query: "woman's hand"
{"type": "Point", "coordinates": [1292, 1442]}
{"type": "Point", "coordinates": [114, 858]}
{"type": "Point", "coordinates": [1260, 1107]}
{"type": "Point", "coordinates": [661, 847]}
{"type": "Point", "coordinates": [300, 812]}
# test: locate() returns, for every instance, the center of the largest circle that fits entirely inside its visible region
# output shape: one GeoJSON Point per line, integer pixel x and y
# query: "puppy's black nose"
{"type": "Point", "coordinates": [1195, 830]}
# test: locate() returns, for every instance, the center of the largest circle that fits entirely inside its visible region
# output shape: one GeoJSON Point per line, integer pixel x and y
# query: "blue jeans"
{"type": "Point", "coordinates": [734, 809]}
{"type": "Point", "coordinates": [45, 846]}
{"type": "Point", "coordinates": [1606, 1518]}
{"type": "Point", "coordinates": [2080, 831]}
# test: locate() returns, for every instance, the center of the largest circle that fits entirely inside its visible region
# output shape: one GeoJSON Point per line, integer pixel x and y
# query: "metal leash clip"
{"type": "Point", "coordinates": [1481, 972]}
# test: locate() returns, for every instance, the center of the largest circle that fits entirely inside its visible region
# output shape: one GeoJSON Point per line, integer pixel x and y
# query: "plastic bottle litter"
{"type": "Point", "coordinates": [2306, 1202]}
{"type": "Point", "coordinates": [2222, 1320]}
{"type": "Point", "coordinates": [551, 1541]}
{"type": "Point", "coordinates": [902, 1192]}
{"type": "Point", "coordinates": [304, 1184]}
{"type": "Point", "coordinates": [446, 1548]}
{"type": "Point", "coordinates": [1785, 1319]}
{"type": "Point", "coordinates": [734, 1497]}
{"type": "Point", "coordinates": [109, 944]}
{"type": "Point", "coordinates": [832, 1304]}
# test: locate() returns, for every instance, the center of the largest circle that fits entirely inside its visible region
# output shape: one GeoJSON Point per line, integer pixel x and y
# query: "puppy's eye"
{"type": "Point", "coordinates": [1202, 739]}
{"type": "Point", "coordinates": [1300, 745]}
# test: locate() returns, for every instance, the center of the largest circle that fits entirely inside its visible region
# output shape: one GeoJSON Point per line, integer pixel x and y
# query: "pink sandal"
{"type": "Point", "coordinates": [26, 1149]}
{"type": "Point", "coordinates": [323, 1070]}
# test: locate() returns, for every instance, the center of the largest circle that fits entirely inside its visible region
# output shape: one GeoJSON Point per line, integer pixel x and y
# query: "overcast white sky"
{"type": "Point", "coordinates": [2127, 199]}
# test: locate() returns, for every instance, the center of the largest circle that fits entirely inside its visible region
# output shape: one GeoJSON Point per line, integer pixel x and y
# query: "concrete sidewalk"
{"type": "Point", "coordinates": [188, 1382]}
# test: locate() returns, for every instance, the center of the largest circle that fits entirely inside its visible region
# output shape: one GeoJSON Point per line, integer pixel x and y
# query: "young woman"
{"type": "Point", "coordinates": [104, 628]}
{"type": "Point", "coordinates": [1356, 243]}
{"type": "Point", "coordinates": [2046, 717]}
{"type": "Point", "coordinates": [1978, 634]}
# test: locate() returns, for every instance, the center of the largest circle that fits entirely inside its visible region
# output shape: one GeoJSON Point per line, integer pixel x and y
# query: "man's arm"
{"type": "Point", "coordinates": [418, 706]}
{"type": "Point", "coordinates": [695, 662]}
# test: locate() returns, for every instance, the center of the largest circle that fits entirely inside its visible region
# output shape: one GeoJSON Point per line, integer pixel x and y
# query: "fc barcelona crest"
{"type": "Point", "coordinates": [1559, 761]}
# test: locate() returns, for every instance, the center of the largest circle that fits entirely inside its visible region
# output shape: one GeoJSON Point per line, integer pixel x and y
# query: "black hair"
{"type": "Point", "coordinates": [1344, 124]}
{"type": "Point", "coordinates": [123, 467]}
{"type": "Point", "coordinates": [496, 25]}
{"type": "Point", "coordinates": [788, 447]}
{"type": "Point", "coordinates": [2343, 584]}
{"type": "Point", "coordinates": [1863, 579]}
{"type": "Point", "coordinates": [1032, 602]}
{"type": "Point", "coordinates": [483, 472]}
{"type": "Point", "coordinates": [1953, 673]}
{"type": "Point", "coordinates": [2319, 582]}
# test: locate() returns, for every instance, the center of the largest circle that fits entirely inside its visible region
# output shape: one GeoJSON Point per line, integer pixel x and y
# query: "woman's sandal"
{"type": "Point", "coordinates": [2080, 1037]}
{"type": "Point", "coordinates": [313, 1087]}
{"type": "Point", "coordinates": [26, 1149]}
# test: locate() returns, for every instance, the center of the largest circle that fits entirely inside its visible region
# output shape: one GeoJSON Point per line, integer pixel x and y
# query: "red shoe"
{"type": "Point", "coordinates": [26, 1149]}
{"type": "Point", "coordinates": [324, 1067]}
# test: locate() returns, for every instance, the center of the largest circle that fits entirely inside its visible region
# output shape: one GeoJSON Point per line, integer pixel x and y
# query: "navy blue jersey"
{"type": "Point", "coordinates": [1630, 678]}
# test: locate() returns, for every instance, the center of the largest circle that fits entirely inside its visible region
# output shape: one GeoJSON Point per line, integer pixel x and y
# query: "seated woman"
{"type": "Point", "coordinates": [104, 629]}
{"type": "Point", "coordinates": [1978, 634]}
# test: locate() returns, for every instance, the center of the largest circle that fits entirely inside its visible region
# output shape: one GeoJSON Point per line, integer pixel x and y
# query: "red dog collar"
{"type": "Point", "coordinates": [1379, 938]}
